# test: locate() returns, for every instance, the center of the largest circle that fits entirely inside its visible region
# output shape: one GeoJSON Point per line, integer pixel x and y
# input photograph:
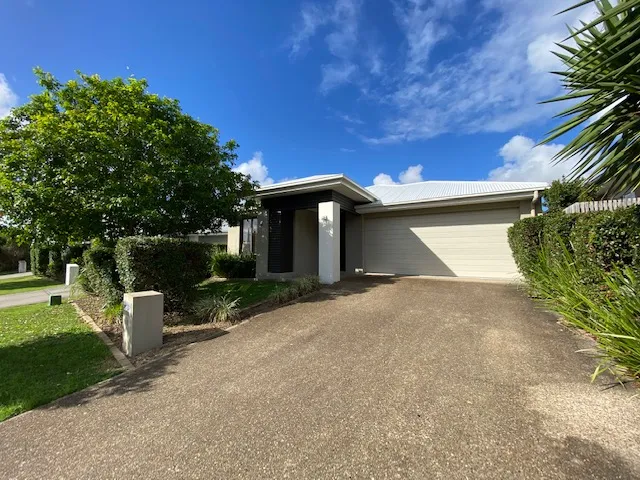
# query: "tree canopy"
{"type": "Point", "coordinates": [94, 158]}
{"type": "Point", "coordinates": [563, 193]}
{"type": "Point", "coordinates": [602, 79]}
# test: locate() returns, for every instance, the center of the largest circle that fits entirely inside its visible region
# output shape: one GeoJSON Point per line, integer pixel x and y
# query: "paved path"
{"type": "Point", "coordinates": [36, 296]}
{"type": "Point", "coordinates": [392, 378]}
{"type": "Point", "coordinates": [16, 275]}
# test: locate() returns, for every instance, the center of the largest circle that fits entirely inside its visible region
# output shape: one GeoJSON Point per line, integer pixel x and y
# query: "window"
{"type": "Point", "coordinates": [248, 239]}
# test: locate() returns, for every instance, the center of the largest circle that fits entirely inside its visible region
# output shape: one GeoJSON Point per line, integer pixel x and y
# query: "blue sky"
{"type": "Point", "coordinates": [392, 90]}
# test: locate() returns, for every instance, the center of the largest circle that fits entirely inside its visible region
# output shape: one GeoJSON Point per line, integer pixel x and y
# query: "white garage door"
{"type": "Point", "coordinates": [462, 244]}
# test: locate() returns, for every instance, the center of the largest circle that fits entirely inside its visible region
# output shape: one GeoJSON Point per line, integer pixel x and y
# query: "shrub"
{"type": "Point", "coordinates": [218, 309]}
{"type": "Point", "coordinates": [614, 320]}
{"type": "Point", "coordinates": [563, 193]}
{"type": "Point", "coordinates": [99, 274]}
{"type": "Point", "coordinates": [525, 237]}
{"type": "Point", "coordinates": [227, 265]}
{"type": "Point", "coordinates": [55, 269]}
{"type": "Point", "coordinates": [172, 266]}
{"type": "Point", "coordinates": [39, 259]}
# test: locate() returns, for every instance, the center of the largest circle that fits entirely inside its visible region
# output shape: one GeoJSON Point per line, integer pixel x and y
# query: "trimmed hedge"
{"type": "Point", "coordinates": [174, 267]}
{"type": "Point", "coordinates": [227, 265]}
{"type": "Point", "coordinates": [599, 241]}
{"type": "Point", "coordinates": [99, 274]}
{"type": "Point", "coordinates": [525, 237]}
{"type": "Point", "coordinates": [39, 260]}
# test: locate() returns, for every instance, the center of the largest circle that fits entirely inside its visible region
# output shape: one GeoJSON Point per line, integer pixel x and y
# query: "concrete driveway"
{"type": "Point", "coordinates": [386, 378]}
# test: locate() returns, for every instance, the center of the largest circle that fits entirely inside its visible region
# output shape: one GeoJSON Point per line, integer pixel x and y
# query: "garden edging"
{"type": "Point", "coordinates": [120, 357]}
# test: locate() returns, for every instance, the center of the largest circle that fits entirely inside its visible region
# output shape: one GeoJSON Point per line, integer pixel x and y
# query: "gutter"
{"type": "Point", "coordinates": [446, 202]}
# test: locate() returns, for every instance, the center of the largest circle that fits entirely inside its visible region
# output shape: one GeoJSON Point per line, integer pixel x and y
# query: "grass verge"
{"type": "Point", "coordinates": [25, 284]}
{"type": "Point", "coordinates": [46, 353]}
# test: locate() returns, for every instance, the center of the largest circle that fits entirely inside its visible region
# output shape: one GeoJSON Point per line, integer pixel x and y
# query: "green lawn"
{"type": "Point", "coordinates": [46, 353]}
{"type": "Point", "coordinates": [249, 291]}
{"type": "Point", "coordinates": [24, 284]}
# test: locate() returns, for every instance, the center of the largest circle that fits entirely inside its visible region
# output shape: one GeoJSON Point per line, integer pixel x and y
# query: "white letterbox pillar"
{"type": "Point", "coordinates": [142, 321]}
{"type": "Point", "coordinates": [73, 270]}
{"type": "Point", "coordinates": [22, 266]}
{"type": "Point", "coordinates": [329, 242]}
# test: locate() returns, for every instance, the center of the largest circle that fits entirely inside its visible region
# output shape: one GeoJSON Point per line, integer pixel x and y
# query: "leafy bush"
{"type": "Point", "coordinates": [228, 265]}
{"type": "Point", "coordinates": [614, 319]}
{"type": "Point", "coordinates": [55, 269]}
{"type": "Point", "coordinates": [99, 274]}
{"type": "Point", "coordinates": [563, 193]}
{"type": "Point", "coordinates": [525, 237]}
{"type": "Point", "coordinates": [217, 309]}
{"type": "Point", "coordinates": [172, 266]}
{"type": "Point", "coordinates": [39, 259]}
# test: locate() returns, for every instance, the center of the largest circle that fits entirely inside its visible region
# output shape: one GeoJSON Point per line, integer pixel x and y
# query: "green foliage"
{"type": "Point", "coordinates": [55, 269]}
{"type": "Point", "coordinates": [218, 309]}
{"type": "Point", "coordinates": [227, 265]}
{"type": "Point", "coordinates": [563, 193]}
{"type": "Point", "coordinates": [297, 288]}
{"type": "Point", "coordinates": [612, 319]}
{"type": "Point", "coordinates": [525, 237]}
{"type": "Point", "coordinates": [39, 259]}
{"type": "Point", "coordinates": [602, 83]}
{"type": "Point", "coordinates": [99, 274]}
{"type": "Point", "coordinates": [113, 313]}
{"type": "Point", "coordinates": [606, 241]}
{"type": "Point", "coordinates": [94, 158]}
{"type": "Point", "coordinates": [168, 265]}
{"type": "Point", "coordinates": [11, 253]}
{"type": "Point", "coordinates": [73, 254]}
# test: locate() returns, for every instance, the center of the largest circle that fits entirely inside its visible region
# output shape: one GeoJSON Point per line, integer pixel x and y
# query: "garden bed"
{"type": "Point", "coordinates": [184, 328]}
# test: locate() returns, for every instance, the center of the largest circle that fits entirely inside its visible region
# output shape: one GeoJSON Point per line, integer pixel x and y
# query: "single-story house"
{"type": "Point", "coordinates": [212, 238]}
{"type": "Point", "coordinates": [330, 226]}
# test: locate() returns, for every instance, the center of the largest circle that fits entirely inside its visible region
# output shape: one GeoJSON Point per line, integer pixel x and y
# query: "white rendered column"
{"type": "Point", "coordinates": [329, 242]}
{"type": "Point", "coordinates": [142, 321]}
{"type": "Point", "coordinates": [72, 272]}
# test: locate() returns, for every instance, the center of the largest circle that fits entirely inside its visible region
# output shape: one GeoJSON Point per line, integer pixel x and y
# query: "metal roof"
{"type": "Point", "coordinates": [435, 189]}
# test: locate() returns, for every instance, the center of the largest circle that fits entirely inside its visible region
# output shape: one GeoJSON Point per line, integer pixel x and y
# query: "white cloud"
{"type": "Point", "coordinates": [526, 161]}
{"type": "Point", "coordinates": [412, 174]}
{"type": "Point", "coordinates": [312, 17]}
{"type": "Point", "coordinates": [256, 169]}
{"type": "Point", "coordinates": [347, 150]}
{"type": "Point", "coordinates": [334, 75]}
{"type": "Point", "coordinates": [8, 99]}
{"type": "Point", "coordinates": [491, 77]}
{"type": "Point", "coordinates": [383, 179]}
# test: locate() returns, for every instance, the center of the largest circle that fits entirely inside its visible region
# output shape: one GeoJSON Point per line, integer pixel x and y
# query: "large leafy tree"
{"type": "Point", "coordinates": [94, 158]}
{"type": "Point", "coordinates": [602, 76]}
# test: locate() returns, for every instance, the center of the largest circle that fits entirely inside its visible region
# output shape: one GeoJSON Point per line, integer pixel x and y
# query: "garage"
{"type": "Point", "coordinates": [455, 244]}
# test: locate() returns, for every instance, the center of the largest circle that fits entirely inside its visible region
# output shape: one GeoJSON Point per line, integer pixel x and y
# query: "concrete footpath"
{"type": "Point", "coordinates": [36, 296]}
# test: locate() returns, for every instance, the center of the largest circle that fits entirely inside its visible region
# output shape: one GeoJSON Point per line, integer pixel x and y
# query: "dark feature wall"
{"type": "Point", "coordinates": [280, 258]}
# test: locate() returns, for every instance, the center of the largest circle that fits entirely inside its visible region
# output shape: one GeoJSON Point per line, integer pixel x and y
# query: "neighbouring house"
{"type": "Point", "coordinates": [330, 226]}
{"type": "Point", "coordinates": [214, 238]}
